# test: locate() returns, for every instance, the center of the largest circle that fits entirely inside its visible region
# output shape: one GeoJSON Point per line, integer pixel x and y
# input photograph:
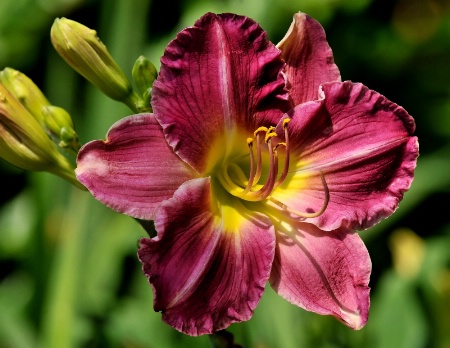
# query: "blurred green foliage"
{"type": "Point", "coordinates": [69, 276]}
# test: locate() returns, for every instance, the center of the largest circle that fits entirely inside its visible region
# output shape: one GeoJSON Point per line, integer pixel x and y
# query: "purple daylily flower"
{"type": "Point", "coordinates": [257, 165]}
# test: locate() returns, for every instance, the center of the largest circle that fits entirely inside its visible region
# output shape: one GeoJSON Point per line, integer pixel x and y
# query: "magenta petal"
{"type": "Point", "coordinates": [309, 59]}
{"type": "Point", "coordinates": [362, 144]}
{"type": "Point", "coordinates": [324, 272]}
{"type": "Point", "coordinates": [221, 73]}
{"type": "Point", "coordinates": [134, 170]}
{"type": "Point", "coordinates": [205, 278]}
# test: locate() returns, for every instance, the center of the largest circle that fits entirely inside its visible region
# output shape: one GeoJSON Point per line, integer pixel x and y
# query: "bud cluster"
{"type": "Point", "coordinates": [27, 128]}
{"type": "Point", "coordinates": [32, 129]}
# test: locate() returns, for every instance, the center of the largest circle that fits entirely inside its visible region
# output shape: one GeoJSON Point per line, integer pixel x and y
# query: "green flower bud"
{"type": "Point", "coordinates": [144, 74]}
{"type": "Point", "coordinates": [25, 91]}
{"type": "Point", "coordinates": [24, 143]}
{"type": "Point", "coordinates": [60, 127]}
{"type": "Point", "coordinates": [52, 118]}
{"type": "Point", "coordinates": [81, 48]}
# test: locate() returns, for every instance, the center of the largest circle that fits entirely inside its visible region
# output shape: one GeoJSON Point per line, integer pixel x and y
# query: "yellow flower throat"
{"type": "Point", "coordinates": [233, 179]}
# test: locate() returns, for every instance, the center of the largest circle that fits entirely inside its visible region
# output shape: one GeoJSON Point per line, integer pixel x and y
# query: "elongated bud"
{"type": "Point", "coordinates": [60, 127]}
{"type": "Point", "coordinates": [144, 74]}
{"type": "Point", "coordinates": [24, 143]}
{"type": "Point", "coordinates": [55, 120]}
{"type": "Point", "coordinates": [25, 91]}
{"type": "Point", "coordinates": [81, 48]}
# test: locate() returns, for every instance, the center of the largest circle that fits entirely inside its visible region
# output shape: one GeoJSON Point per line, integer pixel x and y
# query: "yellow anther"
{"type": "Point", "coordinates": [269, 135]}
{"type": "Point", "coordinates": [260, 129]}
{"type": "Point", "coordinates": [249, 141]}
{"type": "Point", "coordinates": [285, 122]}
{"type": "Point", "coordinates": [282, 143]}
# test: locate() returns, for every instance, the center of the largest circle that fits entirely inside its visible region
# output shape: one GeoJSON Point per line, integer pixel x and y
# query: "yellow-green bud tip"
{"type": "Point", "coordinates": [81, 48]}
{"type": "Point", "coordinates": [25, 91]}
{"type": "Point", "coordinates": [144, 74]}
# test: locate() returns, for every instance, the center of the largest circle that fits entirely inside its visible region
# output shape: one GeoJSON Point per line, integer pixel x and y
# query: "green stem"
{"type": "Point", "coordinates": [66, 171]}
{"type": "Point", "coordinates": [60, 315]}
{"type": "Point", "coordinates": [136, 103]}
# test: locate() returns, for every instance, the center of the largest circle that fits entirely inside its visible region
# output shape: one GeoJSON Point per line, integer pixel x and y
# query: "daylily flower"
{"type": "Point", "coordinates": [249, 182]}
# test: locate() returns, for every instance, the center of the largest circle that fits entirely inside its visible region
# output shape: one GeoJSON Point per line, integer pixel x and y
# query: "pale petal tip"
{"type": "Point", "coordinates": [354, 320]}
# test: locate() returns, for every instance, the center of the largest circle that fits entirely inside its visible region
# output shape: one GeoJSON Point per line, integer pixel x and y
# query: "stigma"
{"type": "Point", "coordinates": [264, 143]}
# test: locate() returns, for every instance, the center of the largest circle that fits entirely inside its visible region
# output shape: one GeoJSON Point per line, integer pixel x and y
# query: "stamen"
{"type": "Point", "coordinates": [266, 190]}
{"type": "Point", "coordinates": [260, 129]}
{"type": "Point", "coordinates": [285, 122]}
{"type": "Point", "coordinates": [286, 157]}
{"type": "Point", "coordinates": [302, 214]}
{"type": "Point", "coordinates": [279, 144]}
{"type": "Point", "coordinates": [258, 153]}
{"type": "Point", "coordinates": [251, 177]}
{"type": "Point", "coordinates": [233, 178]}
{"type": "Point", "coordinates": [269, 136]}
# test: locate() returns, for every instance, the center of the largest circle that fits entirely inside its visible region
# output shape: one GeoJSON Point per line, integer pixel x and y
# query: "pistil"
{"type": "Point", "coordinates": [257, 135]}
{"type": "Point", "coordinates": [251, 178]}
{"type": "Point", "coordinates": [303, 214]}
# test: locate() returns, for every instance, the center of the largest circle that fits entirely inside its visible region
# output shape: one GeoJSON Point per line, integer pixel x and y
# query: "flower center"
{"type": "Point", "coordinates": [267, 144]}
